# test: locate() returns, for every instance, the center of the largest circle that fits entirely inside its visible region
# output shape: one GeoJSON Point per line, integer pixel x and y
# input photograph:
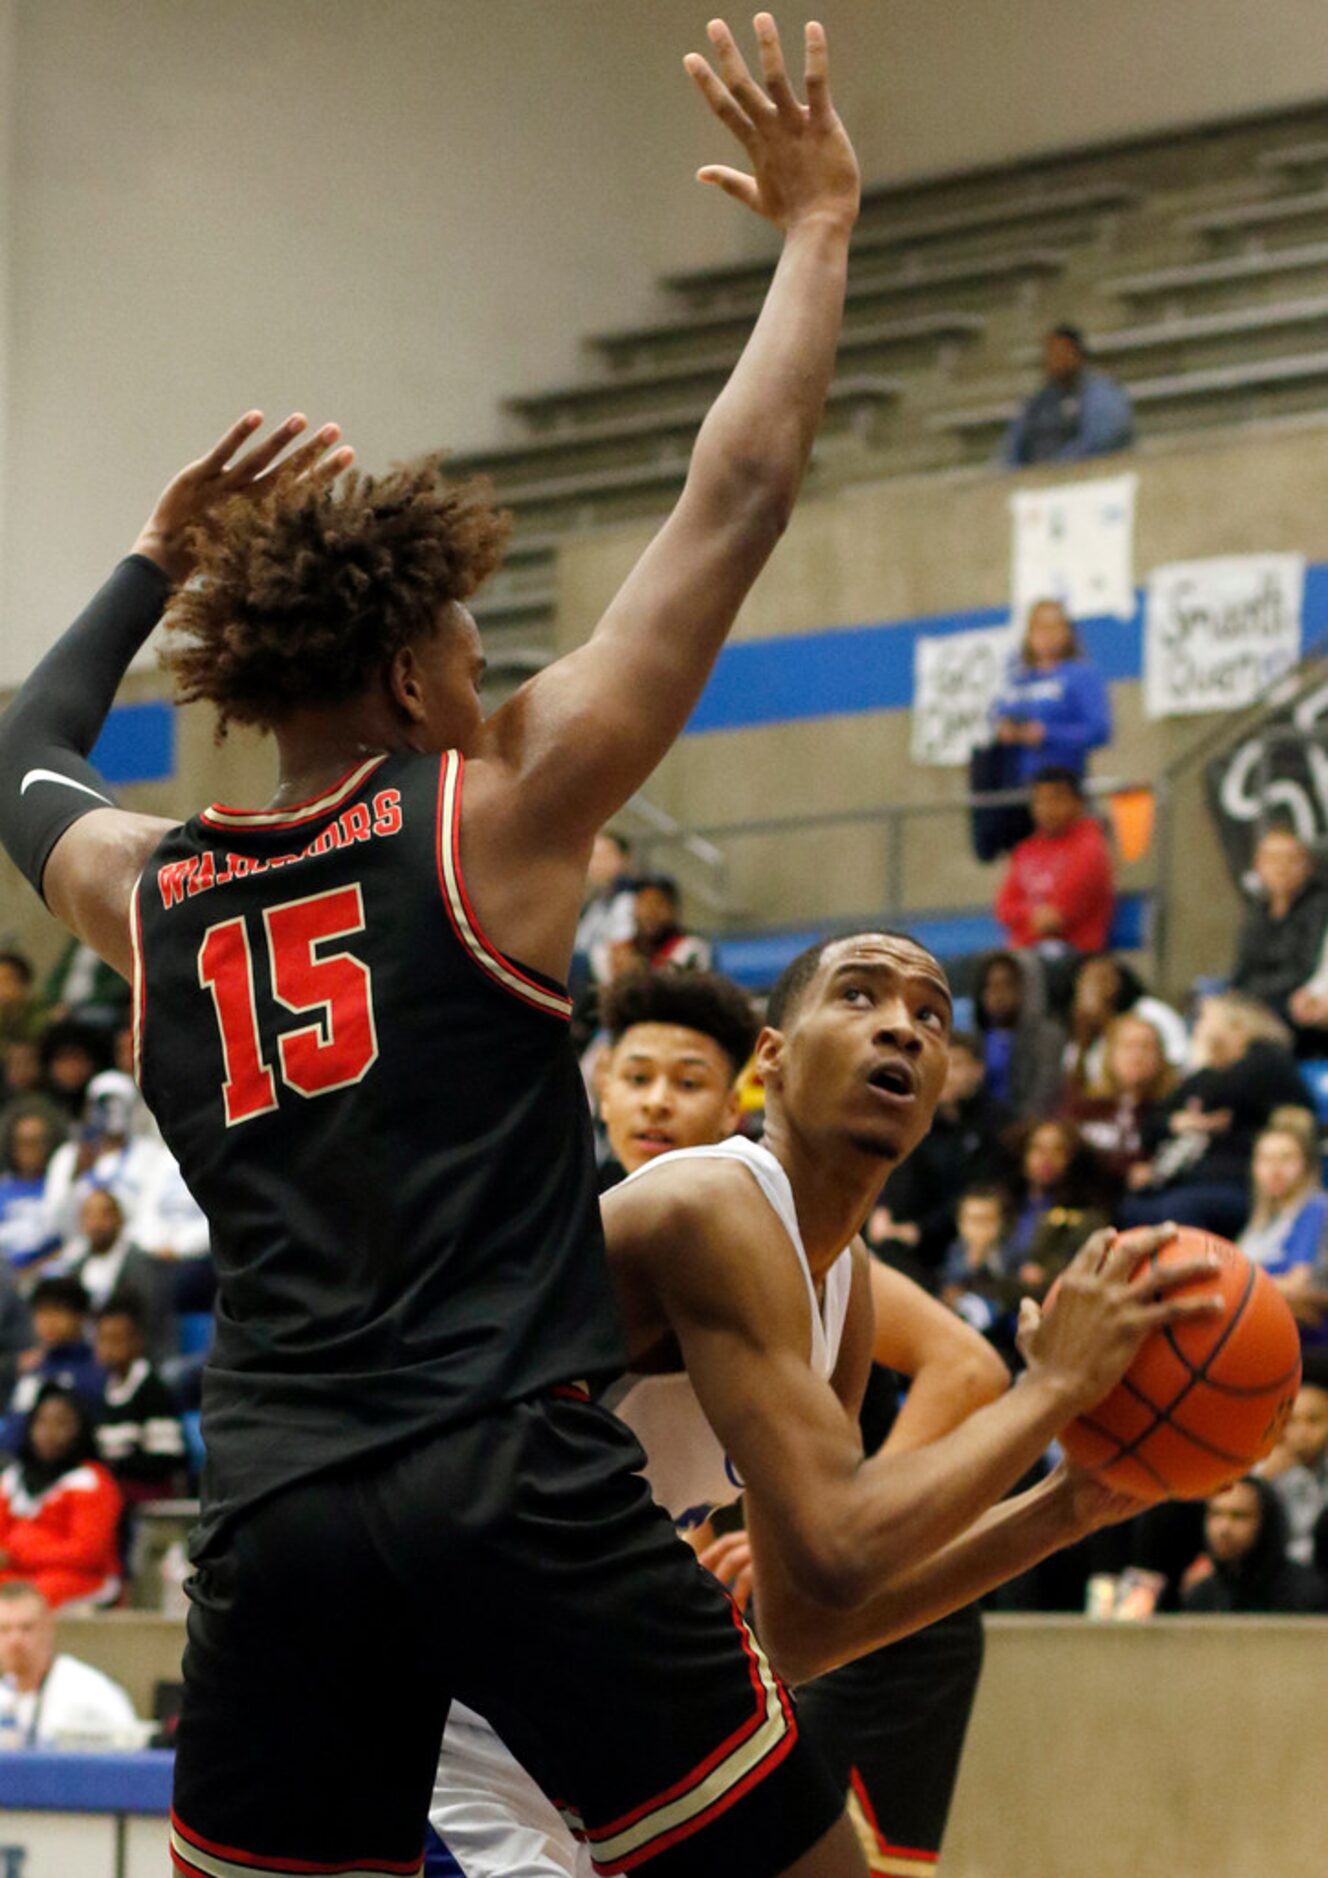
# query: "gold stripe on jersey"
{"type": "Point", "coordinates": [607, 1852]}
{"type": "Point", "coordinates": [186, 1856]}
{"type": "Point", "coordinates": [484, 954]}
{"type": "Point", "coordinates": [217, 816]}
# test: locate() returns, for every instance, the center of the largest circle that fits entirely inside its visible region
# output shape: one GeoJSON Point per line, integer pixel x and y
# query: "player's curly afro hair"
{"type": "Point", "coordinates": [304, 595]}
{"type": "Point", "coordinates": [703, 1001]}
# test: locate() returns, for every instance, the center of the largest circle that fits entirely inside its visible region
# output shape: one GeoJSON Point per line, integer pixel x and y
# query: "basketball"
{"type": "Point", "coordinates": [1202, 1402]}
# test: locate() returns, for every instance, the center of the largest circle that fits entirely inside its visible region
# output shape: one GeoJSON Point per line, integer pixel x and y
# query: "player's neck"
{"type": "Point", "coordinates": [834, 1189]}
{"type": "Point", "coordinates": [316, 748]}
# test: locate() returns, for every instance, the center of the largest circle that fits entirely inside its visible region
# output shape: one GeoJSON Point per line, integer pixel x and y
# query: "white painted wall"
{"type": "Point", "coordinates": [394, 211]}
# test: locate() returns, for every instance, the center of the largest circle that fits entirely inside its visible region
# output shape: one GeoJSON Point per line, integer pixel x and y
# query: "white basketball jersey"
{"type": "Point", "coordinates": [688, 1470]}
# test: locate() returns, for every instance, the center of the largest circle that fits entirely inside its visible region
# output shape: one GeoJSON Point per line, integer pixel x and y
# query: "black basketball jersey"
{"type": "Point", "coordinates": [381, 1116]}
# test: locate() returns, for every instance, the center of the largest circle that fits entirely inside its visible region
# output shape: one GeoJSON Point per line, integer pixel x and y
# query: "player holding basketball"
{"type": "Point", "coordinates": [747, 1299]}
{"type": "Point", "coordinates": [353, 1033]}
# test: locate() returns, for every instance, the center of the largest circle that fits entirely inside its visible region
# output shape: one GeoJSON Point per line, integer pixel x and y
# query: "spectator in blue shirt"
{"type": "Point", "coordinates": [29, 1132]}
{"type": "Point", "coordinates": [1054, 708]}
{"type": "Point", "coordinates": [63, 1355]}
{"type": "Point", "coordinates": [1077, 412]}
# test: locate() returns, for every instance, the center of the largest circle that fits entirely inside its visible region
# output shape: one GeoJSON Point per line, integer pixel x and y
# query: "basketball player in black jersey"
{"type": "Point", "coordinates": [352, 1028]}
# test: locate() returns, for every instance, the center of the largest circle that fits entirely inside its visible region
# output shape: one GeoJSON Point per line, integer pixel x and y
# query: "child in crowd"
{"type": "Point", "coordinates": [1114, 1115]}
{"type": "Point", "coordinates": [62, 1355]}
{"type": "Point", "coordinates": [1061, 1204]}
{"type": "Point", "coordinates": [974, 1279]}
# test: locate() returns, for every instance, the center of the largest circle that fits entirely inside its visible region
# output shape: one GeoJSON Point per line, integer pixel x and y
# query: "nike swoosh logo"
{"type": "Point", "coordinates": [51, 775]}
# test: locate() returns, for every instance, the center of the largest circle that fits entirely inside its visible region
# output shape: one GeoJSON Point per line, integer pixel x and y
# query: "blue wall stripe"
{"type": "Point", "coordinates": [137, 744]}
{"type": "Point", "coordinates": [848, 670]}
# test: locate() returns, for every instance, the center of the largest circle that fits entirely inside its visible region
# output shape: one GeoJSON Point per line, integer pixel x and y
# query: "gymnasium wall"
{"type": "Point", "coordinates": [922, 550]}
{"type": "Point", "coordinates": [394, 213]}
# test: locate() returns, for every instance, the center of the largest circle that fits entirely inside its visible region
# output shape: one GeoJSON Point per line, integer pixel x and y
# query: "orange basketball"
{"type": "Point", "coordinates": [1202, 1402]}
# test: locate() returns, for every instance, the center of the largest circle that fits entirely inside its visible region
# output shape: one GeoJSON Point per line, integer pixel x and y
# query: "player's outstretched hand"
{"type": "Point", "coordinates": [200, 487]}
{"type": "Point", "coordinates": [1110, 1297]}
{"type": "Point", "coordinates": [802, 160]}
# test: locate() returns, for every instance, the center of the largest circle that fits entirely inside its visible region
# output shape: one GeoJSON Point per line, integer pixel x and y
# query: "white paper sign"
{"type": "Point", "coordinates": [955, 678]}
{"type": "Point", "coordinates": [1217, 633]}
{"type": "Point", "coordinates": [1075, 544]}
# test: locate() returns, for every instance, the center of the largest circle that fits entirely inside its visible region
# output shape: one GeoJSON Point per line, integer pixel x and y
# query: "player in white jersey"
{"type": "Point", "coordinates": [746, 1295]}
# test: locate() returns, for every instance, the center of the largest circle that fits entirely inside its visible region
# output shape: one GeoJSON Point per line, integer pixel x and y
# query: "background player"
{"type": "Point", "coordinates": [744, 1257]}
{"type": "Point", "coordinates": [352, 1031]}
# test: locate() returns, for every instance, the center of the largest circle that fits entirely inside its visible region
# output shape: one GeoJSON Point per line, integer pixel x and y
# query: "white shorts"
{"type": "Point", "coordinates": [490, 1814]}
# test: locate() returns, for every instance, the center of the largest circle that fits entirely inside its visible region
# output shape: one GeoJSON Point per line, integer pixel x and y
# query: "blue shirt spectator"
{"type": "Point", "coordinates": [28, 1137]}
{"type": "Point", "coordinates": [1053, 709]}
{"type": "Point", "coordinates": [63, 1355]}
{"type": "Point", "coordinates": [1076, 413]}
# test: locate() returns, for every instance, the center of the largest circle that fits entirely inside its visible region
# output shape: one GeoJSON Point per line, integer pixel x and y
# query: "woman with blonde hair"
{"type": "Point", "coordinates": [1134, 1082]}
{"type": "Point", "coordinates": [1201, 1142]}
{"type": "Point", "coordinates": [1286, 1230]}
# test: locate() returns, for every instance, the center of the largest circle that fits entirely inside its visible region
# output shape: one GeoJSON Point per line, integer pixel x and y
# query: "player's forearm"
{"type": "Point", "coordinates": [942, 1395]}
{"type": "Point", "coordinates": [46, 783]}
{"type": "Point", "coordinates": [757, 439]}
{"type": "Point", "coordinates": [806, 1639]}
{"type": "Point", "coordinates": [903, 1507]}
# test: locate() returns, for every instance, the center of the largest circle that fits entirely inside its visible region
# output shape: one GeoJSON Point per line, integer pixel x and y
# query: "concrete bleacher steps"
{"type": "Point", "coordinates": [1302, 376]}
{"type": "Point", "coordinates": [562, 412]}
{"type": "Point", "coordinates": [1240, 273]}
{"type": "Point", "coordinates": [952, 284]}
{"type": "Point", "coordinates": [1248, 220]}
{"type": "Point", "coordinates": [1059, 215]}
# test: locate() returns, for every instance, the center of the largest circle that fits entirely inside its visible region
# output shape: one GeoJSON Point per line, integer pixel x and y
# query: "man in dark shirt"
{"type": "Point", "coordinates": [139, 1436]}
{"type": "Point", "coordinates": [1282, 933]}
{"type": "Point", "coordinates": [1077, 413]}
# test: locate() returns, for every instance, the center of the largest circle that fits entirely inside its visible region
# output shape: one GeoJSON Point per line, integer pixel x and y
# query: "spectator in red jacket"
{"type": "Point", "coordinates": [1058, 892]}
{"type": "Point", "coordinates": [60, 1508]}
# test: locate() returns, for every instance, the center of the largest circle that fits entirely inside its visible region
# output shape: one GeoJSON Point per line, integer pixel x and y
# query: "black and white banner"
{"type": "Point", "coordinates": [1217, 633]}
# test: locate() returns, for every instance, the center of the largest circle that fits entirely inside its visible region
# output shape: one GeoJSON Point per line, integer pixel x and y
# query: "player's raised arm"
{"type": "Point", "coordinates": [588, 731]}
{"type": "Point", "coordinates": [58, 819]}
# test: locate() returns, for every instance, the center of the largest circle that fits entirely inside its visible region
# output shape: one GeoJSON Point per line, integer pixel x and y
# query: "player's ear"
{"type": "Point", "coordinates": [402, 678]}
{"type": "Point", "coordinates": [768, 1058]}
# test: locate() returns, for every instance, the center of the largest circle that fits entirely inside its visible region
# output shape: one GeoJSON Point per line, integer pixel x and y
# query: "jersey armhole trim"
{"type": "Point", "coordinates": [466, 926]}
{"type": "Point", "coordinates": [139, 983]}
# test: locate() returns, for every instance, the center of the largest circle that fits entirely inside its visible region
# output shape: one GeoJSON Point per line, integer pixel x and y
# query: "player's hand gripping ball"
{"type": "Point", "coordinates": [1204, 1401]}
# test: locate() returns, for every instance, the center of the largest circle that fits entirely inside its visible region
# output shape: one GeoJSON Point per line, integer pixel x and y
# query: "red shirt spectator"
{"type": "Point", "coordinates": [1059, 885]}
{"type": "Point", "coordinates": [60, 1508]}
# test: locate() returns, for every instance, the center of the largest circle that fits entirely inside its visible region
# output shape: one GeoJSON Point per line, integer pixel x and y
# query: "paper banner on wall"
{"type": "Point", "coordinates": [1217, 633]}
{"type": "Point", "coordinates": [1075, 544]}
{"type": "Point", "coordinates": [956, 676]}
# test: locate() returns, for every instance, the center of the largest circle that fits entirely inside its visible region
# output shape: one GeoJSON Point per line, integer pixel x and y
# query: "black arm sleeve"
{"type": "Point", "coordinates": [46, 782]}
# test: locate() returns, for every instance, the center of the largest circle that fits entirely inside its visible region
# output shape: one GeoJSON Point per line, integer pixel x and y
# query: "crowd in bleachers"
{"type": "Point", "coordinates": [105, 1289]}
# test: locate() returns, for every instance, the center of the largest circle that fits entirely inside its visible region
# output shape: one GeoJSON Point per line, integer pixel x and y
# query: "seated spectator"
{"type": "Point", "coordinates": [104, 1260]}
{"type": "Point", "coordinates": [139, 1436]}
{"type": "Point", "coordinates": [1201, 1142]}
{"type": "Point", "coordinates": [49, 1700]}
{"type": "Point", "coordinates": [62, 1355]}
{"type": "Point", "coordinates": [1102, 988]}
{"type": "Point", "coordinates": [1135, 1080]}
{"type": "Point", "coordinates": [1053, 708]}
{"type": "Point", "coordinates": [29, 1131]}
{"type": "Point", "coordinates": [21, 1067]}
{"type": "Point", "coordinates": [917, 1204]}
{"type": "Point", "coordinates": [71, 1055]}
{"type": "Point", "coordinates": [608, 911]}
{"type": "Point", "coordinates": [1244, 1565]}
{"type": "Point", "coordinates": [1282, 934]}
{"type": "Point", "coordinates": [1298, 1469]}
{"type": "Point", "coordinates": [168, 1222]}
{"type": "Point", "coordinates": [60, 1508]}
{"type": "Point", "coordinates": [1058, 890]}
{"type": "Point", "coordinates": [1021, 1046]}
{"type": "Point", "coordinates": [107, 1154]}
{"type": "Point", "coordinates": [658, 939]}
{"type": "Point", "coordinates": [975, 1276]}
{"type": "Point", "coordinates": [21, 1016]}
{"type": "Point", "coordinates": [1288, 1224]}
{"type": "Point", "coordinates": [1062, 1201]}
{"type": "Point", "coordinates": [1076, 413]}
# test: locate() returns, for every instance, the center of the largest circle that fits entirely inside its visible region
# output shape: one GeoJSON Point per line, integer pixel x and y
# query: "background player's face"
{"type": "Point", "coordinates": [866, 1051]}
{"type": "Point", "coordinates": [666, 1086]}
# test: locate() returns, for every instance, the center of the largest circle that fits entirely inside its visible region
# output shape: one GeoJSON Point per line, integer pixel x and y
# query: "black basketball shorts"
{"type": "Point", "coordinates": [519, 1564]}
{"type": "Point", "coordinates": [891, 1728]}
